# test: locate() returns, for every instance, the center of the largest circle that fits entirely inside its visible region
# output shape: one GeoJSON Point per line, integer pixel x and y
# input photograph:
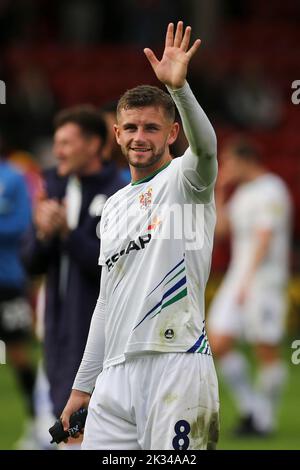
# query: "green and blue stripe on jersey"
{"type": "Point", "coordinates": [173, 294]}
{"type": "Point", "coordinates": [202, 344]}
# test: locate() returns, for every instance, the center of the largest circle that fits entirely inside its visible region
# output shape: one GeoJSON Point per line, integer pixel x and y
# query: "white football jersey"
{"type": "Point", "coordinates": [260, 204]}
{"type": "Point", "coordinates": [156, 245]}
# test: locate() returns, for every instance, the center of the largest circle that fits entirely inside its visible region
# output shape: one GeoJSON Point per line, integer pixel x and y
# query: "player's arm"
{"type": "Point", "coordinates": [263, 238]}
{"type": "Point", "coordinates": [92, 360]}
{"type": "Point", "coordinates": [262, 242]}
{"type": "Point", "coordinates": [269, 218]}
{"type": "Point", "coordinates": [199, 163]}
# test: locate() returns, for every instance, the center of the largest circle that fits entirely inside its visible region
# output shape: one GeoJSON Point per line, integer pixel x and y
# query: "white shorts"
{"type": "Point", "coordinates": [261, 319]}
{"type": "Point", "coordinates": [155, 402]}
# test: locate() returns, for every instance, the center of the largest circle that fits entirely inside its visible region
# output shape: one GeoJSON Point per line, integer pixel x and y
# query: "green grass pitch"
{"type": "Point", "coordinates": [12, 411]}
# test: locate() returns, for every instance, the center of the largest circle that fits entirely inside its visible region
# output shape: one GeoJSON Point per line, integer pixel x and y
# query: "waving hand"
{"type": "Point", "coordinates": [172, 68]}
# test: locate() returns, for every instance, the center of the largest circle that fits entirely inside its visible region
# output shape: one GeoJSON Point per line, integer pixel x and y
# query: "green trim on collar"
{"type": "Point", "coordinates": [148, 178]}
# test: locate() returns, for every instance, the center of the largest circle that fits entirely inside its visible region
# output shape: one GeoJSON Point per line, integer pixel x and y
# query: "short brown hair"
{"type": "Point", "coordinates": [147, 95]}
{"type": "Point", "coordinates": [87, 117]}
{"type": "Point", "coordinates": [244, 148]}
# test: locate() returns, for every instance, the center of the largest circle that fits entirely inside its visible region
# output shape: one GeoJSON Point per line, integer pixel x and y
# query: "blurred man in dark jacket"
{"type": "Point", "coordinates": [63, 243]}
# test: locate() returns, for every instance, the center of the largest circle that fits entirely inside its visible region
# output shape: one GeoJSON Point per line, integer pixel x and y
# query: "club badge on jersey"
{"type": "Point", "coordinates": [146, 199]}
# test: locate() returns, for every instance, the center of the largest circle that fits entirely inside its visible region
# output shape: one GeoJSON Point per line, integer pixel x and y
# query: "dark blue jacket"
{"type": "Point", "coordinates": [68, 316]}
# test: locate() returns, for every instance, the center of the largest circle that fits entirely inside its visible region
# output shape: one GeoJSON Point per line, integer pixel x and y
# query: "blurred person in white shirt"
{"type": "Point", "coordinates": [250, 304]}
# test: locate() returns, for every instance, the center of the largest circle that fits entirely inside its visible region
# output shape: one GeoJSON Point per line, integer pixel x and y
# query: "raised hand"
{"type": "Point", "coordinates": [172, 68]}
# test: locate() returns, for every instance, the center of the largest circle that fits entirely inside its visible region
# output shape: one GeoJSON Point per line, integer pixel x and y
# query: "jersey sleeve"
{"type": "Point", "coordinates": [199, 163]}
{"type": "Point", "coordinates": [92, 360]}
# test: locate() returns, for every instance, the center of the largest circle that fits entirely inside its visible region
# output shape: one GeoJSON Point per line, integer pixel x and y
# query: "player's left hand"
{"type": "Point", "coordinates": [172, 68]}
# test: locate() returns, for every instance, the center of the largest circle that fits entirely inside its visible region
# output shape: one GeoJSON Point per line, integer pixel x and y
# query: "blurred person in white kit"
{"type": "Point", "coordinates": [250, 304]}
